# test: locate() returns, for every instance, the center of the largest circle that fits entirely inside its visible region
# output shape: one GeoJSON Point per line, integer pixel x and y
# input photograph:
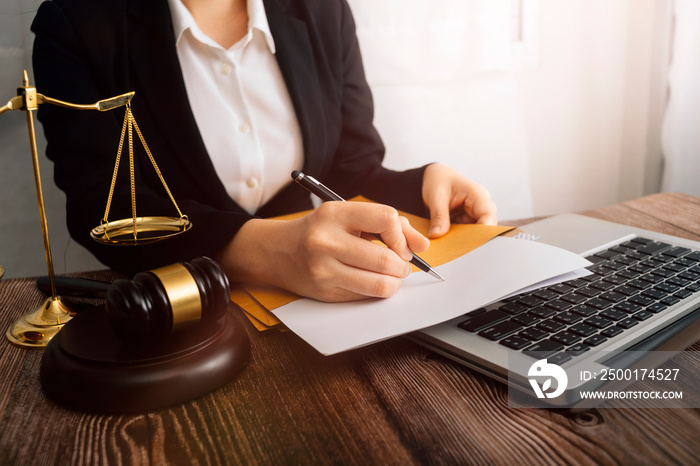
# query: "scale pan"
{"type": "Point", "coordinates": [148, 230]}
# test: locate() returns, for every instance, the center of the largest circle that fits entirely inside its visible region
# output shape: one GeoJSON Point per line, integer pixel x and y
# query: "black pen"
{"type": "Point", "coordinates": [315, 187]}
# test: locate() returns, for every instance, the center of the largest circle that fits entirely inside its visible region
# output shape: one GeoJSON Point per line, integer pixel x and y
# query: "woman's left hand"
{"type": "Point", "coordinates": [453, 198]}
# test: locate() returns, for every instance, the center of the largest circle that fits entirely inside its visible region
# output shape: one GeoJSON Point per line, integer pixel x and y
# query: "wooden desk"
{"type": "Point", "coordinates": [390, 403]}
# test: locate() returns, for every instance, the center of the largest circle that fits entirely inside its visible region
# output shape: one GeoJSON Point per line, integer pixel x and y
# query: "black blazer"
{"type": "Point", "coordinates": [88, 50]}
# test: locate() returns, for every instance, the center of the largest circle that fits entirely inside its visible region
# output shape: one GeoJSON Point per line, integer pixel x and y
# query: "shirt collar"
{"type": "Point", "coordinates": [257, 19]}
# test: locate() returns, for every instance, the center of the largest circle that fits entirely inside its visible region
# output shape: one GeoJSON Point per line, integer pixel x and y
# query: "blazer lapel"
{"type": "Point", "coordinates": [295, 58]}
{"type": "Point", "coordinates": [156, 67]}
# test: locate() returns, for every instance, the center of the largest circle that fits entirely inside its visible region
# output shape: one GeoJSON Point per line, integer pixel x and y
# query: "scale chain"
{"type": "Point", "coordinates": [127, 128]}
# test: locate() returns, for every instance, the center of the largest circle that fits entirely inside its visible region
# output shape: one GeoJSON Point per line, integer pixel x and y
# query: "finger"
{"type": "Point", "coordinates": [439, 206]}
{"type": "Point", "coordinates": [416, 241]}
{"type": "Point", "coordinates": [482, 210]}
{"type": "Point", "coordinates": [381, 220]}
{"type": "Point", "coordinates": [370, 285]}
{"type": "Point", "coordinates": [344, 282]}
{"type": "Point", "coordinates": [372, 257]}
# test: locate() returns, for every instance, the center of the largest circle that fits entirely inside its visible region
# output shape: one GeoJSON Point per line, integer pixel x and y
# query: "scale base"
{"type": "Point", "coordinates": [37, 328]}
{"type": "Point", "coordinates": [87, 368]}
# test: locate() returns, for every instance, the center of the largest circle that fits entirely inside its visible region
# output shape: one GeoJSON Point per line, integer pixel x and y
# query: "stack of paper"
{"type": "Point", "coordinates": [479, 267]}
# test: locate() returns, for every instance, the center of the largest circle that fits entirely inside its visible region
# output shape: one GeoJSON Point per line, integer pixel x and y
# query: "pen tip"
{"type": "Point", "coordinates": [295, 174]}
{"type": "Point", "coordinates": [436, 275]}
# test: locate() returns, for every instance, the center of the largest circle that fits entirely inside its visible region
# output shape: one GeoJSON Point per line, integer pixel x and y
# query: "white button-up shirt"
{"type": "Point", "coordinates": [241, 105]}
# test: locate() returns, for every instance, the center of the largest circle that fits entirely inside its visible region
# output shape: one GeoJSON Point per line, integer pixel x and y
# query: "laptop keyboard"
{"type": "Point", "coordinates": [630, 283]}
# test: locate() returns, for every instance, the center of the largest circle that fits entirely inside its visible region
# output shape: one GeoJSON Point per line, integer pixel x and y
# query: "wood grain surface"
{"type": "Point", "coordinates": [390, 403]}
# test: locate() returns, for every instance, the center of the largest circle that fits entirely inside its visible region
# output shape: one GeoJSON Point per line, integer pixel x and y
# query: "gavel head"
{"type": "Point", "coordinates": [161, 301]}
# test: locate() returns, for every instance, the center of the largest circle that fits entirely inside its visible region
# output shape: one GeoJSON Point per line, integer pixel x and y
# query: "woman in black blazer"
{"type": "Point", "coordinates": [88, 50]}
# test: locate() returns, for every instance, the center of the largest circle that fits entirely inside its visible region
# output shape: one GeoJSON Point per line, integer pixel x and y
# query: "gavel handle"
{"type": "Point", "coordinates": [76, 287]}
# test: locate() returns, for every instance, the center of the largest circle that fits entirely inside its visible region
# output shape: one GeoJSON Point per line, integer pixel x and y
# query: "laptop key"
{"type": "Point", "coordinates": [675, 267]}
{"type": "Point", "coordinates": [543, 349]}
{"type": "Point", "coordinates": [651, 278]}
{"type": "Point", "coordinates": [595, 340]}
{"type": "Point", "coordinates": [542, 312]}
{"type": "Point", "coordinates": [574, 298]}
{"type": "Point", "coordinates": [689, 275]}
{"type": "Point", "coordinates": [666, 287]}
{"type": "Point", "coordinates": [501, 330]}
{"type": "Point", "coordinates": [550, 325]}
{"type": "Point", "coordinates": [598, 321]}
{"type": "Point", "coordinates": [515, 342]}
{"type": "Point", "coordinates": [589, 292]}
{"type": "Point", "coordinates": [607, 254]}
{"type": "Point", "coordinates": [678, 281]}
{"type": "Point", "coordinates": [662, 272]}
{"type": "Point", "coordinates": [637, 242]}
{"type": "Point", "coordinates": [628, 307]}
{"type": "Point", "coordinates": [654, 247]}
{"type": "Point", "coordinates": [584, 310]}
{"type": "Point", "coordinates": [533, 334]}
{"type": "Point", "coordinates": [483, 320]}
{"type": "Point", "coordinates": [656, 308]}
{"type": "Point", "coordinates": [583, 329]}
{"type": "Point", "coordinates": [685, 262]}
{"type": "Point", "coordinates": [613, 297]}
{"type": "Point", "coordinates": [566, 338]}
{"type": "Point", "coordinates": [568, 318]}
{"type": "Point", "coordinates": [642, 315]}
{"type": "Point", "coordinates": [561, 288]}
{"type": "Point", "coordinates": [612, 331]}
{"type": "Point", "coordinates": [655, 294]}
{"type": "Point", "coordinates": [577, 349]}
{"type": "Point", "coordinates": [641, 300]}
{"type": "Point", "coordinates": [676, 251]}
{"type": "Point", "coordinates": [613, 314]}
{"type": "Point", "coordinates": [670, 300]}
{"type": "Point", "coordinates": [694, 256]}
{"type": "Point", "coordinates": [559, 305]}
{"type": "Point", "coordinates": [513, 308]}
{"type": "Point", "coordinates": [599, 304]}
{"type": "Point", "coordinates": [616, 279]}
{"type": "Point", "coordinates": [529, 301]}
{"type": "Point", "coordinates": [545, 294]}
{"type": "Point", "coordinates": [602, 285]}
{"type": "Point", "coordinates": [577, 283]}
{"type": "Point", "coordinates": [525, 319]}
{"type": "Point", "coordinates": [560, 358]}
{"type": "Point", "coordinates": [628, 322]}
{"type": "Point", "coordinates": [693, 287]}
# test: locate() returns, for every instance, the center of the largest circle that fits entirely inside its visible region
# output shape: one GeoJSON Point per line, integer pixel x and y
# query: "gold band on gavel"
{"type": "Point", "coordinates": [183, 294]}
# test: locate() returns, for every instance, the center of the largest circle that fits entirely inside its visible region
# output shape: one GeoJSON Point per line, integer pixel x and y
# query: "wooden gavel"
{"type": "Point", "coordinates": [157, 302]}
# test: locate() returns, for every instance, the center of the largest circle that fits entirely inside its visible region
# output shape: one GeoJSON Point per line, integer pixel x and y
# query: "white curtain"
{"type": "Point", "coordinates": [441, 72]}
{"type": "Point", "coordinates": [681, 128]}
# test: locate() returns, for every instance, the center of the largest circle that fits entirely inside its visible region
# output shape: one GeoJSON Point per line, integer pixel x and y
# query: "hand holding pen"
{"type": "Point", "coordinates": [325, 194]}
{"type": "Point", "coordinates": [326, 255]}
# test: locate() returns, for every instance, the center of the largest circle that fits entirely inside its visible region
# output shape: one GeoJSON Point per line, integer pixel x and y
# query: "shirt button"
{"type": "Point", "coordinates": [251, 183]}
{"type": "Point", "coordinates": [225, 69]}
{"type": "Point", "coordinates": [243, 128]}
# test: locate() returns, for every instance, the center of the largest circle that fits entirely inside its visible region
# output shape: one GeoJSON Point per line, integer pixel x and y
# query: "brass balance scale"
{"type": "Point", "coordinates": [39, 326]}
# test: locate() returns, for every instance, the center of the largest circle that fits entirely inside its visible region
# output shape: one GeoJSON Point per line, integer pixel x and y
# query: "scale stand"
{"type": "Point", "coordinates": [36, 328]}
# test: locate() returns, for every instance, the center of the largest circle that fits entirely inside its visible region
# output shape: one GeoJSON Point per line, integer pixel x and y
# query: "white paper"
{"type": "Point", "coordinates": [496, 269]}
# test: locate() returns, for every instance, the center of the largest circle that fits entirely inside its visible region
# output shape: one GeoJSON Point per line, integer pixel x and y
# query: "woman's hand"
{"type": "Point", "coordinates": [328, 254]}
{"type": "Point", "coordinates": [451, 197]}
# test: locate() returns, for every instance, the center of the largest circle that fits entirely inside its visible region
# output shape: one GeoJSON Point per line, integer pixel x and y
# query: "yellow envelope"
{"type": "Point", "coordinates": [258, 300]}
{"type": "Point", "coordinates": [260, 317]}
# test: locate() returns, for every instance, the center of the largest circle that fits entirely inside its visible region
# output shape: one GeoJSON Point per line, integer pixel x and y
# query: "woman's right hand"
{"type": "Point", "coordinates": [328, 254]}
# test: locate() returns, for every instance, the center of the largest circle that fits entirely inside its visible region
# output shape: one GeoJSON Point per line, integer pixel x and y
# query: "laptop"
{"type": "Point", "coordinates": [639, 305]}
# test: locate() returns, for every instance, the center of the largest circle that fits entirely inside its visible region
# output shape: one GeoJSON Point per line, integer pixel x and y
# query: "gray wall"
{"type": "Point", "coordinates": [21, 244]}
